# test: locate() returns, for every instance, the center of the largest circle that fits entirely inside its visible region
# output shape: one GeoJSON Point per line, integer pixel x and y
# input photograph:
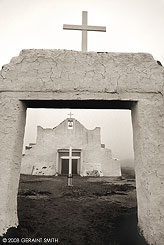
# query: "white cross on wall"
{"type": "Point", "coordinates": [84, 28]}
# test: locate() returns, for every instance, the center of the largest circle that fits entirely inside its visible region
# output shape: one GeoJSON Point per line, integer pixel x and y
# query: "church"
{"type": "Point", "coordinates": [50, 154]}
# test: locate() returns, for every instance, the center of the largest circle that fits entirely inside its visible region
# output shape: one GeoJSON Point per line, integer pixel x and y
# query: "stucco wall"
{"type": "Point", "coordinates": [148, 123]}
{"type": "Point", "coordinates": [64, 71]}
{"type": "Point", "coordinates": [12, 122]}
{"type": "Point", "coordinates": [59, 75]}
{"type": "Point", "coordinates": [112, 168]}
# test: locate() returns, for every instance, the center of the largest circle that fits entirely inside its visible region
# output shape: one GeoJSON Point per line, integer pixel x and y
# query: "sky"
{"type": "Point", "coordinates": [132, 26]}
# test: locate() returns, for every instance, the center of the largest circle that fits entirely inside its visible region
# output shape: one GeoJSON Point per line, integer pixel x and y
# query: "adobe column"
{"type": "Point", "coordinates": [12, 123]}
{"type": "Point", "coordinates": [148, 129]}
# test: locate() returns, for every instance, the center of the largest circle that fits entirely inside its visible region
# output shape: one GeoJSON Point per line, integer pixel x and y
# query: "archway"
{"type": "Point", "coordinates": [45, 78]}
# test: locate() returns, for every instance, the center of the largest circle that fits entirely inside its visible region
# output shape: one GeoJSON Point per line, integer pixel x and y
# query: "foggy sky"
{"type": "Point", "coordinates": [132, 26]}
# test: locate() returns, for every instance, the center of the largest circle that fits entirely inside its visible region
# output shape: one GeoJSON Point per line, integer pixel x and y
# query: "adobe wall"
{"type": "Point", "coordinates": [12, 123]}
{"type": "Point", "coordinates": [55, 74]}
{"type": "Point", "coordinates": [148, 124]}
{"type": "Point", "coordinates": [112, 169]}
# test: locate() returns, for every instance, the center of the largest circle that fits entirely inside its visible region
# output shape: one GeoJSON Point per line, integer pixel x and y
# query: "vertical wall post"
{"type": "Point", "coordinates": [148, 132]}
{"type": "Point", "coordinates": [70, 167]}
{"type": "Point", "coordinates": [12, 123]}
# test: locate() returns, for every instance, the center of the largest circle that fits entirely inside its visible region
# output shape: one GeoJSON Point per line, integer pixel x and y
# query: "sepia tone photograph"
{"type": "Point", "coordinates": [82, 122]}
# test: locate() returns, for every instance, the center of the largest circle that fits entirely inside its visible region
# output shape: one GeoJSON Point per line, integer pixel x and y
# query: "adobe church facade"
{"type": "Point", "coordinates": [50, 154]}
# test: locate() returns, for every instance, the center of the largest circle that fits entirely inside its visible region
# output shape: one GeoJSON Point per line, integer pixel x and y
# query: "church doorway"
{"type": "Point", "coordinates": [65, 166]}
{"type": "Point", "coordinates": [63, 161]}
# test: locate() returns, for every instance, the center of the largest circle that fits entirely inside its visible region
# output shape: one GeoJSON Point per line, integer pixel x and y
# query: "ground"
{"type": "Point", "coordinates": [96, 211]}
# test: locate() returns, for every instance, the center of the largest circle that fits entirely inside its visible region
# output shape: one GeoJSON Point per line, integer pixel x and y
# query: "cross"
{"type": "Point", "coordinates": [70, 167]}
{"type": "Point", "coordinates": [84, 28]}
{"type": "Point", "coordinates": [70, 114]}
{"type": "Point", "coordinates": [70, 158]}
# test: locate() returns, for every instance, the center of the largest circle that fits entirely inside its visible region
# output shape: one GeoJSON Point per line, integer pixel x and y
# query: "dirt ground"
{"type": "Point", "coordinates": [97, 211]}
